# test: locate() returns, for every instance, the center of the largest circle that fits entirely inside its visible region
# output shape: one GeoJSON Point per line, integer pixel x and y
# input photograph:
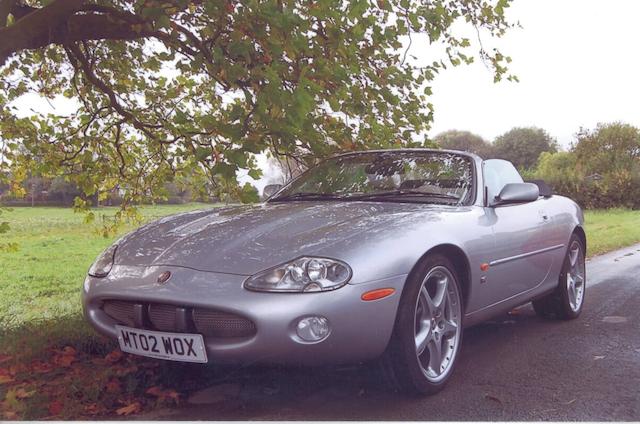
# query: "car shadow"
{"type": "Point", "coordinates": [349, 392]}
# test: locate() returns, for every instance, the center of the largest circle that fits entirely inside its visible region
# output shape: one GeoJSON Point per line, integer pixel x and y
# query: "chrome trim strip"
{"type": "Point", "coordinates": [524, 255]}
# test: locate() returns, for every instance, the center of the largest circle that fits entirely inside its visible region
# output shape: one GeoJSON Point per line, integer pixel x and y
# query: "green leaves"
{"type": "Point", "coordinates": [199, 88]}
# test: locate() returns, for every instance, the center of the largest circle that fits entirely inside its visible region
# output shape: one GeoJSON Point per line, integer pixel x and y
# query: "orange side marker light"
{"type": "Point", "coordinates": [377, 294]}
{"type": "Point", "coordinates": [484, 267]}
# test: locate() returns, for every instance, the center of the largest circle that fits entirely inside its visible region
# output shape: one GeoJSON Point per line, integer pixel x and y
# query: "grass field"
{"type": "Point", "coordinates": [611, 229]}
{"type": "Point", "coordinates": [40, 316]}
{"type": "Point", "coordinates": [40, 312]}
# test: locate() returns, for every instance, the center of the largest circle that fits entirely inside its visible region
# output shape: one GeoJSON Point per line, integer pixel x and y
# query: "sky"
{"type": "Point", "coordinates": [578, 65]}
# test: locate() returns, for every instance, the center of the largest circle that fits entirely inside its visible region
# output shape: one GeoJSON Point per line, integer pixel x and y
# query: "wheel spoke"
{"type": "Point", "coordinates": [423, 338]}
{"type": "Point", "coordinates": [435, 355]}
{"type": "Point", "coordinates": [427, 303]}
{"type": "Point", "coordinates": [572, 289]}
{"type": "Point", "coordinates": [573, 257]}
{"type": "Point", "coordinates": [450, 328]}
{"type": "Point", "coordinates": [441, 292]}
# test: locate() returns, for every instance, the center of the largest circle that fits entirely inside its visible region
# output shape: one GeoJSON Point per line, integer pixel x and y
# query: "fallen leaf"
{"type": "Point", "coordinates": [65, 357]}
{"type": "Point", "coordinates": [10, 415]}
{"type": "Point", "coordinates": [154, 391]}
{"type": "Point", "coordinates": [18, 368]}
{"type": "Point", "coordinates": [4, 379]}
{"type": "Point", "coordinates": [114, 356]}
{"type": "Point", "coordinates": [41, 367]}
{"type": "Point", "coordinates": [21, 393]}
{"type": "Point", "coordinates": [132, 408]}
{"type": "Point", "coordinates": [68, 350]}
{"type": "Point", "coordinates": [94, 409]}
{"type": "Point", "coordinates": [64, 361]}
{"type": "Point", "coordinates": [163, 395]}
{"type": "Point", "coordinates": [493, 398]}
{"type": "Point", "coordinates": [113, 386]}
{"type": "Point", "coordinates": [123, 371]}
{"type": "Point", "coordinates": [172, 394]}
{"type": "Point", "coordinates": [55, 407]}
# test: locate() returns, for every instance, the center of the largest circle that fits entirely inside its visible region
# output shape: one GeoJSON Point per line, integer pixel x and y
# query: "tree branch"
{"type": "Point", "coordinates": [67, 21]}
{"type": "Point", "coordinates": [81, 60]}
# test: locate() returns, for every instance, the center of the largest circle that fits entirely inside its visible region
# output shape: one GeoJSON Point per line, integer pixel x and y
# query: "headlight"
{"type": "Point", "coordinates": [304, 274]}
{"type": "Point", "coordinates": [102, 266]}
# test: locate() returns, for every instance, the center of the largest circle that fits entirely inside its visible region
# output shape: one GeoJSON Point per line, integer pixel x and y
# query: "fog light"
{"type": "Point", "coordinates": [313, 329]}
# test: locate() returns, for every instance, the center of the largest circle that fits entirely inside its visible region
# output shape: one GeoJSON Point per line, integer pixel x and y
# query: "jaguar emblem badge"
{"type": "Point", "coordinates": [164, 277]}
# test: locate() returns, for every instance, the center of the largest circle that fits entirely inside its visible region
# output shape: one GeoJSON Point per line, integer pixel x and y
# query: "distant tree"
{"type": "Point", "coordinates": [63, 191]}
{"type": "Point", "coordinates": [36, 187]}
{"type": "Point", "coordinates": [177, 193]}
{"type": "Point", "coordinates": [523, 146]}
{"type": "Point", "coordinates": [610, 147]}
{"type": "Point", "coordinates": [464, 140]}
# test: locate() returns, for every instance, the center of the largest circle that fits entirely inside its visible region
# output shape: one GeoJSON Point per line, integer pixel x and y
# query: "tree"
{"type": "Point", "coordinates": [464, 140]}
{"type": "Point", "coordinates": [601, 170]}
{"type": "Point", "coordinates": [197, 88]}
{"type": "Point", "coordinates": [522, 146]}
{"type": "Point", "coordinates": [609, 148]}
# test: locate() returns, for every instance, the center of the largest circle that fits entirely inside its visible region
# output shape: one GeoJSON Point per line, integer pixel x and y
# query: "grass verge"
{"type": "Point", "coordinates": [52, 364]}
{"type": "Point", "coordinates": [611, 229]}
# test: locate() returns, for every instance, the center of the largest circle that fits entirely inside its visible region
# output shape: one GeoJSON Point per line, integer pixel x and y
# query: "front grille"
{"type": "Point", "coordinates": [120, 311]}
{"type": "Point", "coordinates": [222, 324]}
{"type": "Point", "coordinates": [163, 317]}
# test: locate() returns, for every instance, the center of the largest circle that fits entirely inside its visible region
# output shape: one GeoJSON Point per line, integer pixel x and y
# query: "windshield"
{"type": "Point", "coordinates": [420, 176]}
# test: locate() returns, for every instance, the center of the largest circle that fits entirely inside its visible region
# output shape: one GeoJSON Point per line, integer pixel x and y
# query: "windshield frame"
{"type": "Point", "coordinates": [472, 198]}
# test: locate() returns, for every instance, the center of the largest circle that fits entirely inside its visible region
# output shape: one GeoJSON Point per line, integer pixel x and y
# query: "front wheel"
{"type": "Point", "coordinates": [428, 330]}
{"type": "Point", "coordinates": [567, 299]}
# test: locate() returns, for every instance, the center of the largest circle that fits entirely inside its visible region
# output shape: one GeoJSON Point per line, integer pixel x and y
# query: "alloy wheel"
{"type": "Point", "coordinates": [575, 276]}
{"type": "Point", "coordinates": [437, 323]}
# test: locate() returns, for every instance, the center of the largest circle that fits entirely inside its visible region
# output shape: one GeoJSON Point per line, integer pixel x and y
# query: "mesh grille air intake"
{"type": "Point", "coordinates": [162, 317]}
{"type": "Point", "coordinates": [121, 311]}
{"type": "Point", "coordinates": [222, 324]}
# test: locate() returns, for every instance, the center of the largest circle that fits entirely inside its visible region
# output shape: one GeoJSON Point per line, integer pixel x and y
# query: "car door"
{"type": "Point", "coordinates": [523, 253]}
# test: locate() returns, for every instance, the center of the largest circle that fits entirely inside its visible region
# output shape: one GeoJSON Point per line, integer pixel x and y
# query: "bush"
{"type": "Point", "coordinates": [602, 170]}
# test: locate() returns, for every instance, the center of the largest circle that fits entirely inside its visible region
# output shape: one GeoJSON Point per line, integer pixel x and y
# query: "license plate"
{"type": "Point", "coordinates": [158, 344]}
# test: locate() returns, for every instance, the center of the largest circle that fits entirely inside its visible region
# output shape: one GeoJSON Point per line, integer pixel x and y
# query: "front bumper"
{"type": "Point", "coordinates": [359, 330]}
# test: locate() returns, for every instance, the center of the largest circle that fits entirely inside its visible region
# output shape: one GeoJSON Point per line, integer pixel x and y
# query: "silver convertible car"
{"type": "Point", "coordinates": [382, 255]}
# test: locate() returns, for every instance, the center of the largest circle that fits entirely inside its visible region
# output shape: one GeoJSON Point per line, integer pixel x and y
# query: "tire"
{"type": "Point", "coordinates": [566, 301]}
{"type": "Point", "coordinates": [428, 324]}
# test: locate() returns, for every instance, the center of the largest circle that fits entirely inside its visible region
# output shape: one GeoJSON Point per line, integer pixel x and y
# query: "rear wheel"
{"type": "Point", "coordinates": [428, 330]}
{"type": "Point", "coordinates": [567, 299]}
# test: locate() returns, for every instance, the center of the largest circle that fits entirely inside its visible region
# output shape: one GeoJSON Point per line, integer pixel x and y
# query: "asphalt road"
{"type": "Point", "coordinates": [517, 367]}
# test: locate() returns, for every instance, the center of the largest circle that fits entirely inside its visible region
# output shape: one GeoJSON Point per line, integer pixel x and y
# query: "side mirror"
{"type": "Point", "coordinates": [517, 193]}
{"type": "Point", "coordinates": [270, 190]}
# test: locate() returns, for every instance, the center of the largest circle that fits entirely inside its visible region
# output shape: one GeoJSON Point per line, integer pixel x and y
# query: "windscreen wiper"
{"type": "Point", "coordinates": [403, 193]}
{"type": "Point", "coordinates": [307, 196]}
